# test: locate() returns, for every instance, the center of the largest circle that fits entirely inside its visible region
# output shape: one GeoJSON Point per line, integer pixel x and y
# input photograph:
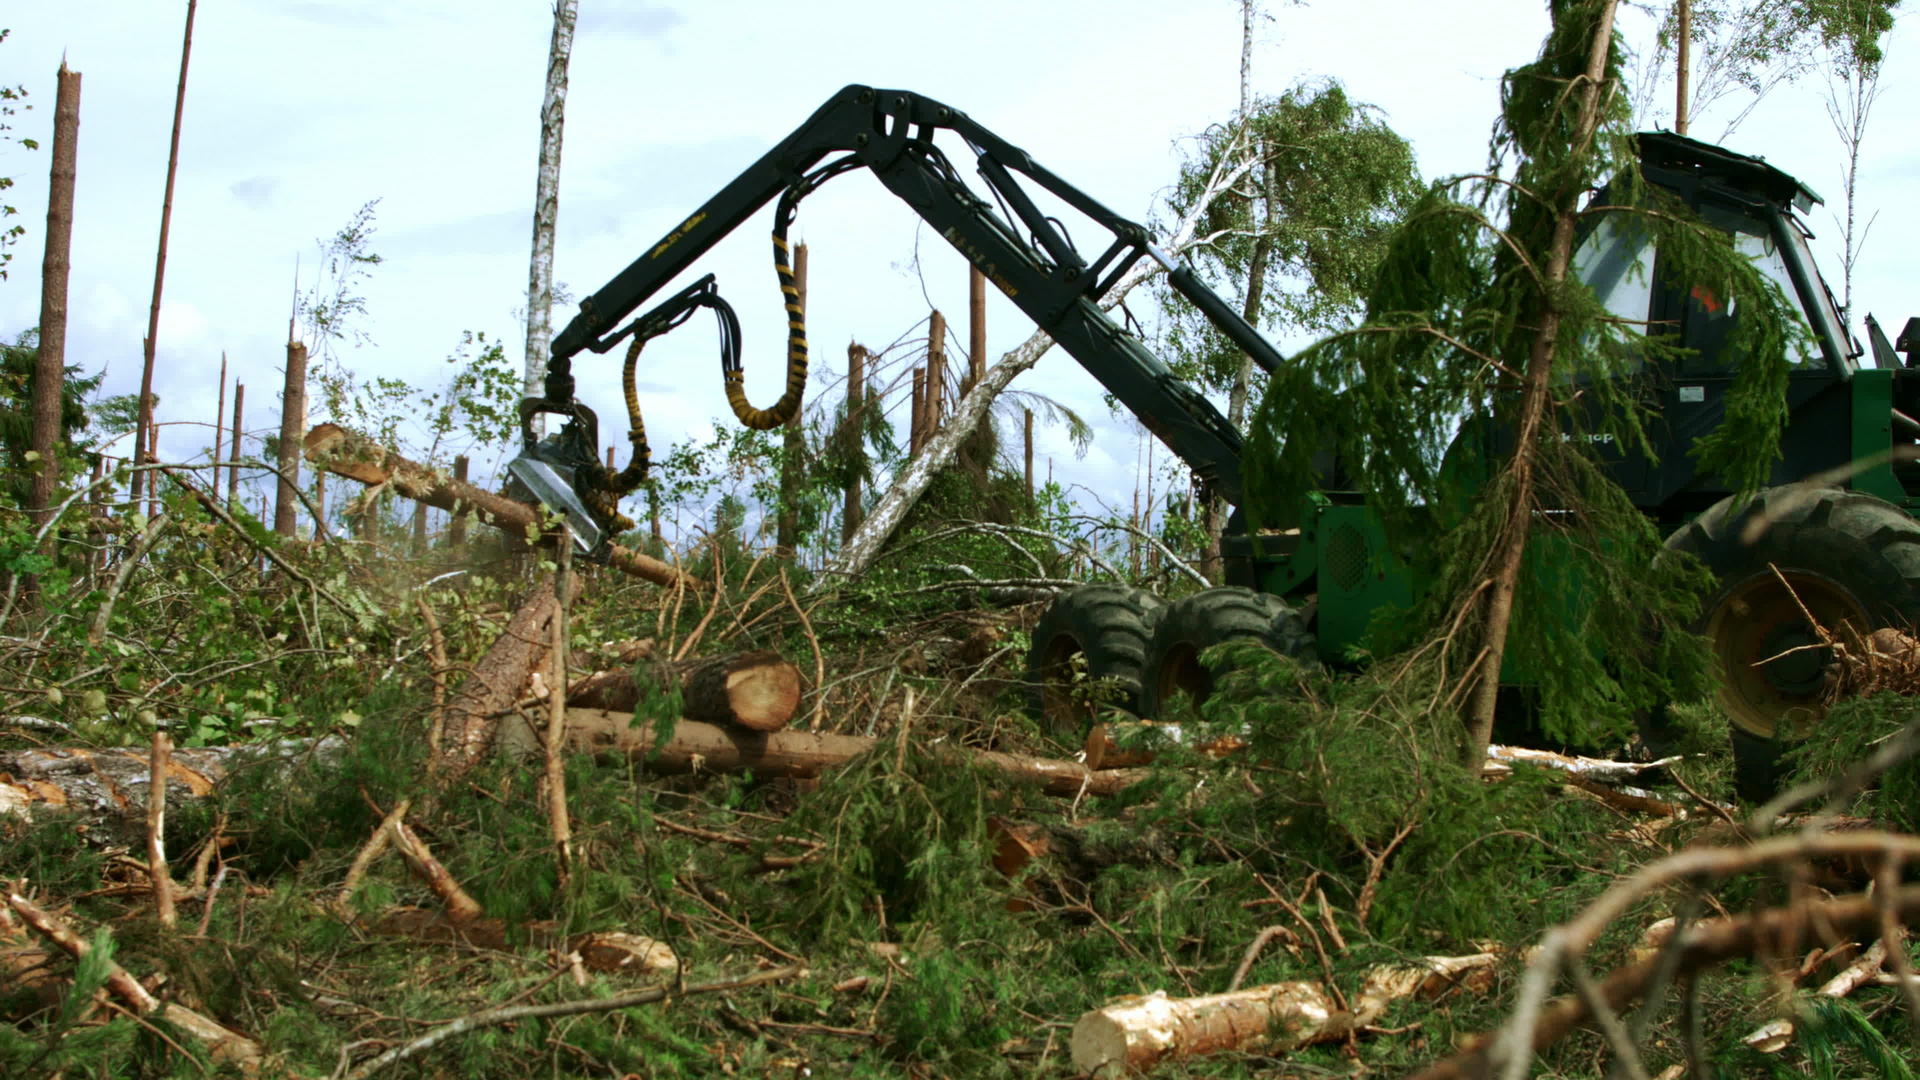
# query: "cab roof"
{"type": "Point", "coordinates": [1714, 164]}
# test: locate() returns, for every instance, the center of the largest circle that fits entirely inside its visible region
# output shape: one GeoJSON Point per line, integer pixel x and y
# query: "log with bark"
{"type": "Point", "coordinates": [696, 746]}
{"type": "Point", "coordinates": [356, 457]}
{"type": "Point", "coordinates": [758, 690]}
{"type": "Point", "coordinates": [108, 787]}
{"type": "Point", "coordinates": [1134, 1034]}
{"type": "Point", "coordinates": [493, 686]}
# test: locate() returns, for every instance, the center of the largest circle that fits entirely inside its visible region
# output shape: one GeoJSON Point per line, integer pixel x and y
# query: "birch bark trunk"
{"type": "Point", "coordinates": [546, 197]}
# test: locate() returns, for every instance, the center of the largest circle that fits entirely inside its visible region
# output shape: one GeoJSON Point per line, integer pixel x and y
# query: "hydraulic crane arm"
{"type": "Point", "coordinates": [891, 133]}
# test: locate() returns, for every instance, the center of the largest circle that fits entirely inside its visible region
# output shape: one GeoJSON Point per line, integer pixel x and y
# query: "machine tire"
{"type": "Point", "coordinates": [1094, 634]}
{"type": "Point", "coordinates": [1852, 559]}
{"type": "Point", "coordinates": [1198, 622]}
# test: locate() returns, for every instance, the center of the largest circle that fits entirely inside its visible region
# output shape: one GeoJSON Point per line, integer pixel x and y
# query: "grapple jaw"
{"type": "Point", "coordinates": [561, 471]}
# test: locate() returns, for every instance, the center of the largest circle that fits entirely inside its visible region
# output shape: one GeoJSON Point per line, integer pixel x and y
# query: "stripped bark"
{"type": "Point", "coordinates": [293, 420]}
{"type": "Point", "coordinates": [461, 908]}
{"type": "Point", "coordinates": [233, 470]}
{"type": "Point", "coordinates": [157, 872]}
{"type": "Point", "coordinates": [1777, 1035]}
{"type": "Point", "coordinates": [559, 821]}
{"type": "Point", "coordinates": [226, 1045]}
{"type": "Point", "coordinates": [143, 433]}
{"type": "Point", "coordinates": [1134, 1034]}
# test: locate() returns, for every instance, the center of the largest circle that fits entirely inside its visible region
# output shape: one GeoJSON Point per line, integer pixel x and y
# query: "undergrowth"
{"type": "Point", "coordinates": [1346, 822]}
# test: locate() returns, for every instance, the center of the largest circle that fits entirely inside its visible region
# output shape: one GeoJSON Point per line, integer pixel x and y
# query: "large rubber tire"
{"type": "Point", "coordinates": [1851, 559]}
{"type": "Point", "coordinates": [1198, 622]}
{"type": "Point", "coordinates": [1088, 650]}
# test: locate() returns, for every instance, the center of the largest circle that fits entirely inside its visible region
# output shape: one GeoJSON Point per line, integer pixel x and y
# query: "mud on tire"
{"type": "Point", "coordinates": [1205, 619]}
{"type": "Point", "coordinates": [1088, 651]}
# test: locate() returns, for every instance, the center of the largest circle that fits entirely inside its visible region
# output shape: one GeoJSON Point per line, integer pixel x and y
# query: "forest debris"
{"type": "Point", "coordinates": [227, 1045]}
{"type": "Point", "coordinates": [1705, 943]}
{"type": "Point", "coordinates": [489, 691]}
{"type": "Point", "coordinates": [157, 872]}
{"type": "Point", "coordinates": [615, 952]}
{"type": "Point", "coordinates": [346, 453]}
{"type": "Point", "coordinates": [509, 1014]}
{"type": "Point", "coordinates": [1599, 770]}
{"type": "Point", "coordinates": [758, 689]}
{"type": "Point", "coordinates": [695, 746]}
{"type": "Point", "coordinates": [1134, 1034]}
{"type": "Point", "coordinates": [461, 908]}
{"type": "Point", "coordinates": [1114, 745]}
{"type": "Point", "coordinates": [1773, 1037]}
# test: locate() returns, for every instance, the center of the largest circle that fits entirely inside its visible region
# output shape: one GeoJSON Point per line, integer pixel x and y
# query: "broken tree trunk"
{"type": "Point", "coordinates": [758, 690]}
{"type": "Point", "coordinates": [293, 417]}
{"type": "Point", "coordinates": [345, 453]}
{"type": "Point", "coordinates": [695, 746]}
{"type": "Point", "coordinates": [495, 684]}
{"type": "Point", "coordinates": [1135, 1033]}
{"type": "Point", "coordinates": [49, 368]}
{"type": "Point", "coordinates": [107, 789]}
{"type": "Point", "coordinates": [859, 550]}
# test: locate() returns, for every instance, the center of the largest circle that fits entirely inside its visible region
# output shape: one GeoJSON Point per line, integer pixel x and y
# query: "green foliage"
{"type": "Point", "coordinates": [1417, 405]}
{"type": "Point", "coordinates": [1299, 235]}
{"type": "Point", "coordinates": [333, 308]}
{"type": "Point", "coordinates": [1747, 48]}
{"type": "Point", "coordinates": [1851, 731]}
{"type": "Point", "coordinates": [907, 844]}
{"type": "Point", "coordinates": [1354, 768]}
{"type": "Point", "coordinates": [17, 362]}
{"type": "Point", "coordinates": [10, 98]}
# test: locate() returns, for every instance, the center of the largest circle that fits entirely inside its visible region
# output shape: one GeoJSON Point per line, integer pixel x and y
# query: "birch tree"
{"type": "Point", "coordinates": [1855, 51]}
{"type": "Point", "coordinates": [1744, 50]}
{"type": "Point", "coordinates": [546, 197]}
{"type": "Point", "coordinates": [1297, 238]}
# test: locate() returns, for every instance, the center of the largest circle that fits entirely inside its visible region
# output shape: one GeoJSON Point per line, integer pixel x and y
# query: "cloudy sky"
{"type": "Point", "coordinates": [300, 111]}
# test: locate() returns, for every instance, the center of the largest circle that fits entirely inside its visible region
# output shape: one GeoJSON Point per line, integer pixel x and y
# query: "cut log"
{"type": "Point", "coordinates": [495, 683]}
{"type": "Point", "coordinates": [758, 690]}
{"type": "Point", "coordinates": [1134, 1034]}
{"type": "Point", "coordinates": [695, 746]}
{"type": "Point", "coordinates": [356, 457]}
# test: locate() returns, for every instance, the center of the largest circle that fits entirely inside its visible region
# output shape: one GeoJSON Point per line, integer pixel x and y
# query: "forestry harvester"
{"type": "Point", "coordinates": [1848, 554]}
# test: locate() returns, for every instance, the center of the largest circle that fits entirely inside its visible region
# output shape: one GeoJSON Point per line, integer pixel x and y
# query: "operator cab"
{"type": "Point", "coordinates": [1686, 395]}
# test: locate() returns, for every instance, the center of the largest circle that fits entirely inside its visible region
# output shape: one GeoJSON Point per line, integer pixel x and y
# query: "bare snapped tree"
{"type": "Point", "coordinates": [975, 405]}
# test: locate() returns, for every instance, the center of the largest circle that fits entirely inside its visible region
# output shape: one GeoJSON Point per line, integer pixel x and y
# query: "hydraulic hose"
{"type": "Point", "coordinates": [734, 376]}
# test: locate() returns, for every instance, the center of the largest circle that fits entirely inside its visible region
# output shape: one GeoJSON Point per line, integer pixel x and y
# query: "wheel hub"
{"type": "Point", "coordinates": [1777, 669]}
